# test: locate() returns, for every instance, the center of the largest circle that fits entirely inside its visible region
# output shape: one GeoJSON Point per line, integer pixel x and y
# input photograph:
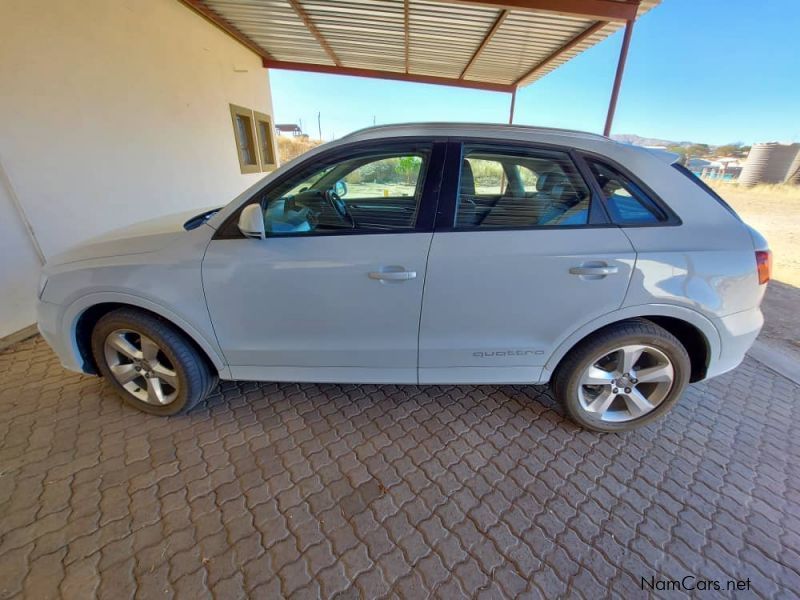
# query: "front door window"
{"type": "Point", "coordinates": [379, 191]}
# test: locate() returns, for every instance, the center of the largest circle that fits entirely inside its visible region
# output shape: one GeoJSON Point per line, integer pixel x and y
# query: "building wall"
{"type": "Point", "coordinates": [112, 112]}
{"type": "Point", "coordinates": [19, 265]}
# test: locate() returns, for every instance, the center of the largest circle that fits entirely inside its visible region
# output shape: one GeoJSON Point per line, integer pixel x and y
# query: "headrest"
{"type": "Point", "coordinates": [549, 181]}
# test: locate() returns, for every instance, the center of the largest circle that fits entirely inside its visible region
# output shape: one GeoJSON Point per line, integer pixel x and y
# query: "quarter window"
{"type": "Point", "coordinates": [626, 201]}
{"type": "Point", "coordinates": [376, 192]}
{"type": "Point", "coordinates": [505, 190]}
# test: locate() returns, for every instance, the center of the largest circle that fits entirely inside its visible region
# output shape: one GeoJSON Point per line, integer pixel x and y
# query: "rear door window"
{"type": "Point", "coordinates": [503, 189]}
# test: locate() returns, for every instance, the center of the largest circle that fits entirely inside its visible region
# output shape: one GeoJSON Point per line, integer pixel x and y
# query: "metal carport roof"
{"type": "Point", "coordinates": [497, 45]}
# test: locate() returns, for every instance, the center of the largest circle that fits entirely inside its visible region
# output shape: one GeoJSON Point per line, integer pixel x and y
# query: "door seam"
{"type": "Point", "coordinates": [422, 299]}
{"type": "Point", "coordinates": [205, 300]}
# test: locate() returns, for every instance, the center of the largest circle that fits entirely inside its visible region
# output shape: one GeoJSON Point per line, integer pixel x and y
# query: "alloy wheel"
{"type": "Point", "coordinates": [626, 383]}
{"type": "Point", "coordinates": [140, 366]}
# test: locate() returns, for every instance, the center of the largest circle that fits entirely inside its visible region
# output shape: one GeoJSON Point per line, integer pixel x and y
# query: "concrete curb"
{"type": "Point", "coordinates": [18, 336]}
{"type": "Point", "coordinates": [775, 358]}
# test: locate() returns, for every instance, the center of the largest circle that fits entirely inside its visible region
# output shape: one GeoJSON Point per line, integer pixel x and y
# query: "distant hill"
{"type": "Point", "coordinates": [637, 140]}
{"type": "Point", "coordinates": [694, 149]}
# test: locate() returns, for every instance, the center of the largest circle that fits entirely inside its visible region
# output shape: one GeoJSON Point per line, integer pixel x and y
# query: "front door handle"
{"type": "Point", "coordinates": [601, 271]}
{"type": "Point", "coordinates": [393, 275]}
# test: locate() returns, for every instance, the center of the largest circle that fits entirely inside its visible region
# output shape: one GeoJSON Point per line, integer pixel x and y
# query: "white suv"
{"type": "Point", "coordinates": [427, 254]}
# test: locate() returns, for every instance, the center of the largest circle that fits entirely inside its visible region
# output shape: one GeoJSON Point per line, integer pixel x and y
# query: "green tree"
{"type": "Point", "coordinates": [729, 150]}
{"type": "Point", "coordinates": [698, 150]}
{"type": "Point", "coordinates": [408, 168]}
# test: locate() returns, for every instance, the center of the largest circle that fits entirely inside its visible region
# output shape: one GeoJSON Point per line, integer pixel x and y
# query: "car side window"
{"type": "Point", "coordinates": [392, 177]}
{"type": "Point", "coordinates": [626, 201]}
{"type": "Point", "coordinates": [500, 189]}
{"type": "Point", "coordinates": [380, 191]}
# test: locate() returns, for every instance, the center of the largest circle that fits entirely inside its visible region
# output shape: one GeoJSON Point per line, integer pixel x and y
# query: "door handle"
{"type": "Point", "coordinates": [602, 271]}
{"type": "Point", "coordinates": [392, 275]}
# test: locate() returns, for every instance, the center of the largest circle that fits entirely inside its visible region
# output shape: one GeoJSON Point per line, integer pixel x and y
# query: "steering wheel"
{"type": "Point", "coordinates": [339, 206]}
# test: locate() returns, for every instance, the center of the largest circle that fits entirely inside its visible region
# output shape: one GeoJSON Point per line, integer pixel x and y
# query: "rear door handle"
{"type": "Point", "coordinates": [392, 275]}
{"type": "Point", "coordinates": [587, 270]}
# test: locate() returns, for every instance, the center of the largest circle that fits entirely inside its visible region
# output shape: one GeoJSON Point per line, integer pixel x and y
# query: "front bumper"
{"type": "Point", "coordinates": [737, 333]}
{"type": "Point", "coordinates": [48, 320]}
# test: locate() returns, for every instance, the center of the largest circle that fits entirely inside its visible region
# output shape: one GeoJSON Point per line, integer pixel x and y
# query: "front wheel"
{"type": "Point", "coordinates": [151, 364]}
{"type": "Point", "coordinates": [623, 377]}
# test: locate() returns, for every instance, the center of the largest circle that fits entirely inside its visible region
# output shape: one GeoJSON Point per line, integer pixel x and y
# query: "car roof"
{"type": "Point", "coordinates": [567, 138]}
{"type": "Point", "coordinates": [496, 130]}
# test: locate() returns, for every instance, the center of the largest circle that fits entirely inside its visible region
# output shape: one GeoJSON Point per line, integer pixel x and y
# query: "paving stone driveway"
{"type": "Point", "coordinates": [273, 490]}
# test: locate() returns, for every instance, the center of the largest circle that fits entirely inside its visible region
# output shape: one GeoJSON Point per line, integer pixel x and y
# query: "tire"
{"type": "Point", "coordinates": [133, 348]}
{"type": "Point", "coordinates": [608, 398]}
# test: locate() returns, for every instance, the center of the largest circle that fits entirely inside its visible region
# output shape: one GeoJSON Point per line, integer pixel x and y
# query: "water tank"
{"type": "Point", "coordinates": [768, 162]}
{"type": "Point", "coordinates": [793, 176]}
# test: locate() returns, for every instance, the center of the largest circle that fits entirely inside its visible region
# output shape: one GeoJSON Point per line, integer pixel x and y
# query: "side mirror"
{"type": "Point", "coordinates": [251, 222]}
{"type": "Point", "coordinates": [340, 188]}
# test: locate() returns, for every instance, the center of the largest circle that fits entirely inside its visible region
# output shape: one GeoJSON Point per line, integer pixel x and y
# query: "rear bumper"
{"type": "Point", "coordinates": [737, 333]}
{"type": "Point", "coordinates": [48, 320]}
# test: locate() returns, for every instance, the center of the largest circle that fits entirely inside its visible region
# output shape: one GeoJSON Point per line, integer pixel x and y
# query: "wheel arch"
{"type": "Point", "coordinates": [697, 334]}
{"type": "Point", "coordinates": [692, 339]}
{"type": "Point", "coordinates": [83, 315]}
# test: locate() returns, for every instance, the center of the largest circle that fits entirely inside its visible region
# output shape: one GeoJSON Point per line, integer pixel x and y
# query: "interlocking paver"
{"type": "Point", "coordinates": [388, 491]}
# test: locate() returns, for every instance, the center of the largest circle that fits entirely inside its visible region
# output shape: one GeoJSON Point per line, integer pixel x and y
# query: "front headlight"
{"type": "Point", "coordinates": [42, 284]}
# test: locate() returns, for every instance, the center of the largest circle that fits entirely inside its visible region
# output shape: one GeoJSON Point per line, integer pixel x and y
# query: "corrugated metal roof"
{"type": "Point", "coordinates": [500, 45]}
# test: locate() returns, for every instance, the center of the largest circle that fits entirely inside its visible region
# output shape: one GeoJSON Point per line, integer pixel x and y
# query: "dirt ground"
{"type": "Point", "coordinates": [292, 147]}
{"type": "Point", "coordinates": [775, 212]}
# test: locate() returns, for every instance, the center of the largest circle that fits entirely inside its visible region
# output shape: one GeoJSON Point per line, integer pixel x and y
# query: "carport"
{"type": "Point", "coordinates": [274, 490]}
{"type": "Point", "coordinates": [496, 45]}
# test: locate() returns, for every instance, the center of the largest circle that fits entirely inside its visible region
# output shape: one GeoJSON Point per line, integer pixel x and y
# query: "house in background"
{"type": "Point", "coordinates": [112, 113]}
{"type": "Point", "coordinates": [289, 129]}
{"type": "Point", "coordinates": [725, 168]}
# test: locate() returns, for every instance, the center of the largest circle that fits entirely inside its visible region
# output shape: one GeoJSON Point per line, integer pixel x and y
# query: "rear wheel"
{"type": "Point", "coordinates": [624, 376]}
{"type": "Point", "coordinates": [151, 364]}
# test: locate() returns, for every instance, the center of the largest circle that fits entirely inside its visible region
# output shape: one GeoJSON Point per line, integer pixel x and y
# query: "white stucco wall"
{"type": "Point", "coordinates": [112, 112]}
{"type": "Point", "coordinates": [19, 265]}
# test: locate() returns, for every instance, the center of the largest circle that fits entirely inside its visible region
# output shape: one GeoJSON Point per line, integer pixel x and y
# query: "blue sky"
{"type": "Point", "coordinates": [714, 71]}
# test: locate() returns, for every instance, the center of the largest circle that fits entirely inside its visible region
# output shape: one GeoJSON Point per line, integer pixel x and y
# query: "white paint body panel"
{"type": "Point", "coordinates": [307, 305]}
{"type": "Point", "coordinates": [499, 301]}
{"type": "Point", "coordinates": [166, 281]}
{"type": "Point", "coordinates": [305, 309]}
